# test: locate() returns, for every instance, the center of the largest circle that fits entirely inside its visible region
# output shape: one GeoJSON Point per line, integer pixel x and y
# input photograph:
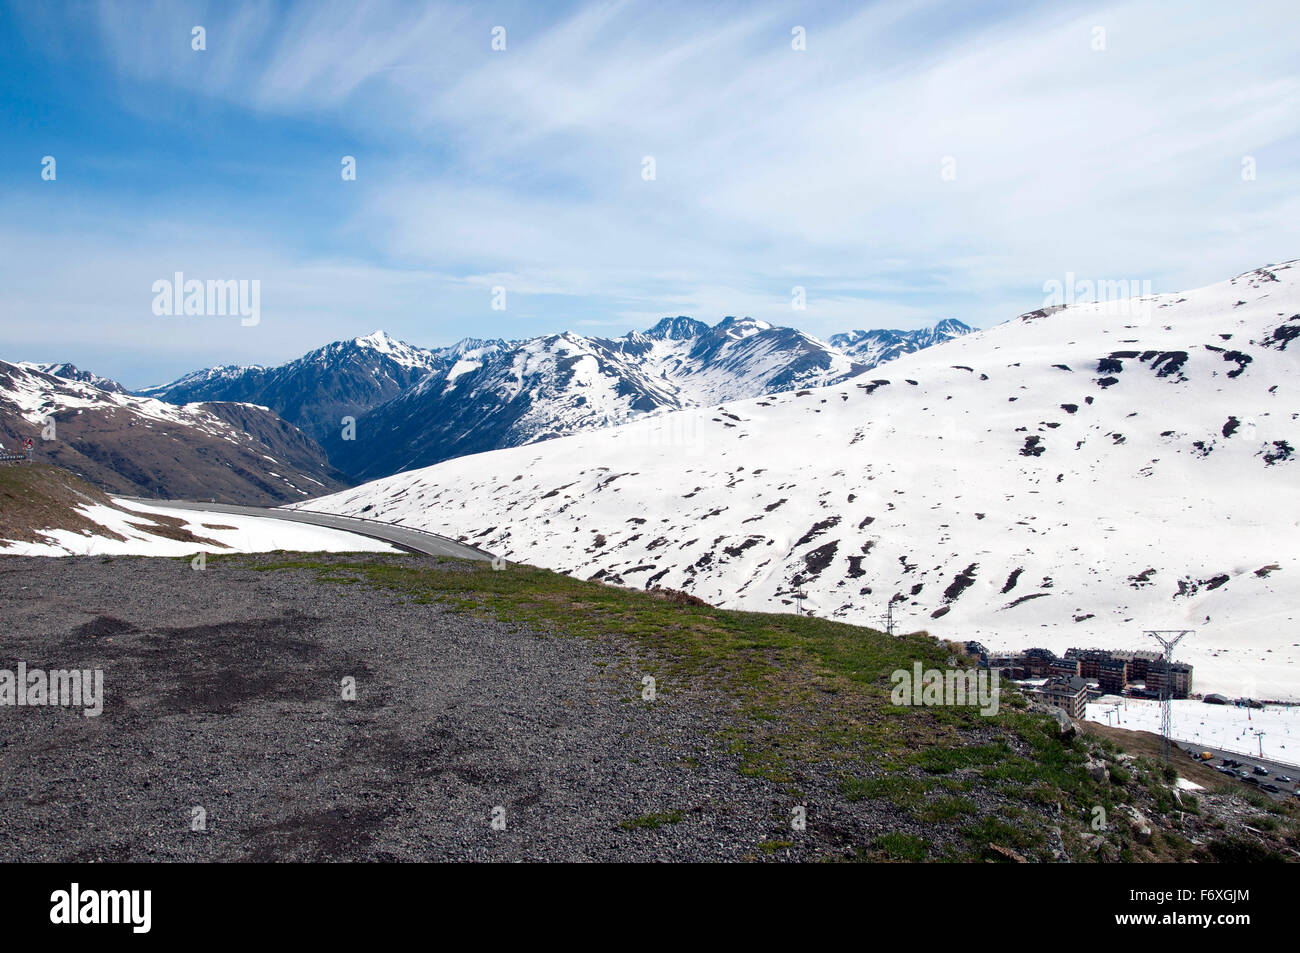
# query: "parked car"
{"type": "Point", "coordinates": [1261, 771]}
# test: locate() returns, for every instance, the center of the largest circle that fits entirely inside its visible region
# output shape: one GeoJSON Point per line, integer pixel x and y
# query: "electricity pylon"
{"type": "Point", "coordinates": [1163, 636]}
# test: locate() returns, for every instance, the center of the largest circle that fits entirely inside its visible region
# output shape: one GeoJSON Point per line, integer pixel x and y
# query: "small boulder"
{"type": "Point", "coordinates": [1006, 853]}
{"type": "Point", "coordinates": [1141, 826]}
{"type": "Point", "coordinates": [1067, 728]}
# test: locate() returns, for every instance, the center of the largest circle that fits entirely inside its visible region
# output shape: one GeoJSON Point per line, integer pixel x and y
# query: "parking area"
{"type": "Point", "coordinates": [1272, 777]}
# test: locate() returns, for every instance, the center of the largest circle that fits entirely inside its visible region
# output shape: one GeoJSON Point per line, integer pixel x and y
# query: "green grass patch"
{"type": "Point", "coordinates": [942, 809]}
{"type": "Point", "coordinates": [899, 846]}
{"type": "Point", "coordinates": [898, 789]}
{"type": "Point", "coordinates": [995, 830]}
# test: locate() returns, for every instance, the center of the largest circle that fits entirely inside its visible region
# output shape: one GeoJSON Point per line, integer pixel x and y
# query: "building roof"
{"type": "Point", "coordinates": [1065, 685]}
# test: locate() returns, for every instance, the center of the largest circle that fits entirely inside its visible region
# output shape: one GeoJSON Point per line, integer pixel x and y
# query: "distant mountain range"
{"type": "Point", "coordinates": [876, 347]}
{"type": "Point", "coordinates": [411, 407]}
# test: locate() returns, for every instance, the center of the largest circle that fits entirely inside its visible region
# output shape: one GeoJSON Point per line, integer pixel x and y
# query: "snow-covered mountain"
{"type": "Point", "coordinates": [73, 373]}
{"type": "Point", "coordinates": [313, 392]}
{"type": "Point", "coordinates": [238, 453]}
{"type": "Point", "coordinates": [738, 357]}
{"type": "Point", "coordinates": [1071, 477]}
{"type": "Point", "coordinates": [876, 347]}
{"type": "Point", "coordinates": [414, 407]}
{"type": "Point", "coordinates": [497, 394]}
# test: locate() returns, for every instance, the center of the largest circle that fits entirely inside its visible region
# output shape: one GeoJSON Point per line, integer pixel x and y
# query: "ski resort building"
{"type": "Point", "coordinates": [1116, 671]}
{"type": "Point", "coordinates": [1178, 679]}
{"type": "Point", "coordinates": [1068, 693]}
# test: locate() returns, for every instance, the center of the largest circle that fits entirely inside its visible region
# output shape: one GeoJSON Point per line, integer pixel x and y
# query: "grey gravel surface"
{"type": "Point", "coordinates": [223, 693]}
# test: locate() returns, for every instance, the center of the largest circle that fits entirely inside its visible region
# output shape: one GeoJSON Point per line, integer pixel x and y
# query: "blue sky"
{"type": "Point", "coordinates": [522, 168]}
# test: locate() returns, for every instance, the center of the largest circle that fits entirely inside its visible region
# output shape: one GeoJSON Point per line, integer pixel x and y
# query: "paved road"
{"type": "Point", "coordinates": [406, 537]}
{"type": "Point", "coordinates": [1248, 763]}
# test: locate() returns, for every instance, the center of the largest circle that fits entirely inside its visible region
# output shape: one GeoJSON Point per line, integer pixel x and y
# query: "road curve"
{"type": "Point", "coordinates": [406, 537]}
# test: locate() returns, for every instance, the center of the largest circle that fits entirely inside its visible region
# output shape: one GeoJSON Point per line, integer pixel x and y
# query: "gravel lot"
{"type": "Point", "coordinates": [223, 693]}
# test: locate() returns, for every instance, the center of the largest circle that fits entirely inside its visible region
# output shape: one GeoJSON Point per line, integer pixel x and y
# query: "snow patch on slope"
{"type": "Point", "coordinates": [228, 532]}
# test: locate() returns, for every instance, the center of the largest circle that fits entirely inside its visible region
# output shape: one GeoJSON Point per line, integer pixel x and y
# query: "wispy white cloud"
{"type": "Point", "coordinates": [774, 167]}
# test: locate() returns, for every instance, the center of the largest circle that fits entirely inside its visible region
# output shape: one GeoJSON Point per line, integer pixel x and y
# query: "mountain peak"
{"type": "Point", "coordinates": [743, 326]}
{"type": "Point", "coordinates": [952, 326]}
{"type": "Point", "coordinates": [378, 339]}
{"type": "Point", "coordinates": [677, 329]}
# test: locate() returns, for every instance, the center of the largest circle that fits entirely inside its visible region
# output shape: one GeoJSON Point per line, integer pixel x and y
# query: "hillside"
{"type": "Point", "coordinates": [1069, 477]}
{"type": "Point", "coordinates": [236, 453]}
